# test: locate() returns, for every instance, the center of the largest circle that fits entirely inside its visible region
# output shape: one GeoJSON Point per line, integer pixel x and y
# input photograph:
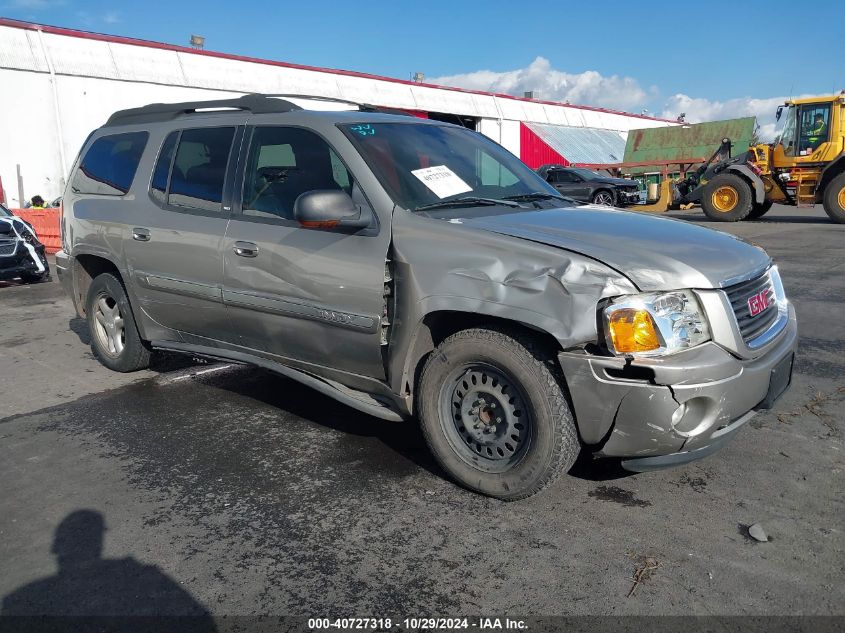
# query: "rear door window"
{"type": "Point", "coordinates": [199, 168]}
{"type": "Point", "coordinates": [108, 167]}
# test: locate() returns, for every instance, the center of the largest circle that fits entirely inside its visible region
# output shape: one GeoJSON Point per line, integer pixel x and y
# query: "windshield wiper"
{"type": "Point", "coordinates": [539, 195]}
{"type": "Point", "coordinates": [468, 201]}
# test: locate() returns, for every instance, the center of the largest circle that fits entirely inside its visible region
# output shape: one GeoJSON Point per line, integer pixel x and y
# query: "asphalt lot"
{"type": "Point", "coordinates": [233, 491]}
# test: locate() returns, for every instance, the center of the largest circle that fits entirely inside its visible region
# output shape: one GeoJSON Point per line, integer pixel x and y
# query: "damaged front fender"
{"type": "Point", "coordinates": [443, 266]}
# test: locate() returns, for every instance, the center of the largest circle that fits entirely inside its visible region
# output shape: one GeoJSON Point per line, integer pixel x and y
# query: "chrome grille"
{"type": "Point", "coordinates": [7, 247]}
{"type": "Point", "coordinates": [753, 326]}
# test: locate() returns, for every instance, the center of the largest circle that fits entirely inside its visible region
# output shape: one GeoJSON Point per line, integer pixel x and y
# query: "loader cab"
{"type": "Point", "coordinates": [804, 129]}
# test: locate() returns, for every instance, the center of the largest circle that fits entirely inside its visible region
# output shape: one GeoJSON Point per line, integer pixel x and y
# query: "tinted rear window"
{"type": "Point", "coordinates": [109, 165]}
{"type": "Point", "coordinates": [199, 168]}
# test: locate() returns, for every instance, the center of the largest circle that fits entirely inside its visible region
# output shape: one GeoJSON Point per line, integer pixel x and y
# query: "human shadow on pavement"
{"type": "Point", "coordinates": [90, 592]}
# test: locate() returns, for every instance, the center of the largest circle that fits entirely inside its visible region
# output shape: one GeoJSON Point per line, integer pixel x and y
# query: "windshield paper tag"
{"type": "Point", "coordinates": [442, 181]}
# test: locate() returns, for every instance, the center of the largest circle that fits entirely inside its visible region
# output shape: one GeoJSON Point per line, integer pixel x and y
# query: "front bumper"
{"type": "Point", "coordinates": [21, 262]}
{"type": "Point", "coordinates": [628, 197]}
{"type": "Point", "coordinates": [660, 412]}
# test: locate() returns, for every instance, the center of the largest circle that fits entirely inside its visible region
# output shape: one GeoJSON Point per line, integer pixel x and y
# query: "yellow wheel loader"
{"type": "Point", "coordinates": [804, 166]}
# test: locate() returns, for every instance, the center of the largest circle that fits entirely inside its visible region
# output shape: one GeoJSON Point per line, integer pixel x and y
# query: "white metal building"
{"type": "Point", "coordinates": [59, 84]}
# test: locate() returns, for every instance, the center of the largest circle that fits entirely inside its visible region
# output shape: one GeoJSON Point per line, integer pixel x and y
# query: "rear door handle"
{"type": "Point", "coordinates": [246, 249]}
{"type": "Point", "coordinates": [141, 235]}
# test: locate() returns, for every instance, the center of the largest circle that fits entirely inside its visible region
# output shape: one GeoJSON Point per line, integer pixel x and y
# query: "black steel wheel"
{"type": "Point", "coordinates": [484, 416]}
{"type": "Point", "coordinates": [494, 413]}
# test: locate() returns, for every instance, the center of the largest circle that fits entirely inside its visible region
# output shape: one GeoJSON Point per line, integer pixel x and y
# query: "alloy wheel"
{"type": "Point", "coordinates": [603, 198]}
{"type": "Point", "coordinates": [109, 326]}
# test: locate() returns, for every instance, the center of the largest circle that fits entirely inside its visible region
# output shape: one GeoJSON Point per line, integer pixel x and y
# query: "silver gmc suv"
{"type": "Point", "coordinates": [411, 268]}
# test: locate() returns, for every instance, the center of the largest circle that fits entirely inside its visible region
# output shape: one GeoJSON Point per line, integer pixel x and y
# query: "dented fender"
{"type": "Point", "coordinates": [442, 266]}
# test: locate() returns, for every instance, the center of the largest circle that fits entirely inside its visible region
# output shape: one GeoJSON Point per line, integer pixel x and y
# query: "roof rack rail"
{"type": "Point", "coordinates": [255, 103]}
{"type": "Point", "coordinates": [363, 107]}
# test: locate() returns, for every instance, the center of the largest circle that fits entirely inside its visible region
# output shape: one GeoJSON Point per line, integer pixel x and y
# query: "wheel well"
{"type": "Point", "coordinates": [85, 269]}
{"type": "Point", "coordinates": [748, 180]}
{"type": "Point", "coordinates": [436, 327]}
{"type": "Point", "coordinates": [833, 170]}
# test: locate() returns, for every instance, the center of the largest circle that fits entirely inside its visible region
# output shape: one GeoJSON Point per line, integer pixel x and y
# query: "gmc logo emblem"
{"type": "Point", "coordinates": [758, 303]}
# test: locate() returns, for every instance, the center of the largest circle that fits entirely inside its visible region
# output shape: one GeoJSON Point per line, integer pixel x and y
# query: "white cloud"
{"type": "Point", "coordinates": [623, 93]}
{"type": "Point", "coordinates": [698, 109]}
{"type": "Point", "coordinates": [112, 17]}
{"type": "Point", "coordinates": [587, 88]}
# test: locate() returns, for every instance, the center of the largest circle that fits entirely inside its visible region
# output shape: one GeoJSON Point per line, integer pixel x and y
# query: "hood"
{"type": "Point", "coordinates": [619, 182]}
{"type": "Point", "coordinates": [655, 253]}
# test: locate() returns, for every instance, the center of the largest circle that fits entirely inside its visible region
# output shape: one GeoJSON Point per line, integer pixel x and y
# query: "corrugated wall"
{"type": "Point", "coordinates": [60, 84]}
{"type": "Point", "coordinates": [534, 151]}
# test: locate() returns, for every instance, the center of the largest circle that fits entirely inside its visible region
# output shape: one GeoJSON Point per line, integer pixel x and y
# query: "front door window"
{"type": "Point", "coordinates": [283, 164]}
{"type": "Point", "coordinates": [815, 127]}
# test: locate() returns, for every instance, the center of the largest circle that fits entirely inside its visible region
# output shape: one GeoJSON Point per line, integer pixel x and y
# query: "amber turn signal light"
{"type": "Point", "coordinates": [632, 331]}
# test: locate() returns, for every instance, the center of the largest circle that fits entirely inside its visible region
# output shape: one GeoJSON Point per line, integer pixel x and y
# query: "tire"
{"type": "Point", "coordinates": [727, 198]}
{"type": "Point", "coordinates": [114, 336]}
{"type": "Point", "coordinates": [759, 210]}
{"type": "Point", "coordinates": [834, 199]}
{"type": "Point", "coordinates": [523, 434]}
{"type": "Point", "coordinates": [603, 197]}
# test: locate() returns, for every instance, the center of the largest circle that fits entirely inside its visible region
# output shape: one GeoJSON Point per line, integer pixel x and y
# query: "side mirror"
{"type": "Point", "coordinates": [329, 209]}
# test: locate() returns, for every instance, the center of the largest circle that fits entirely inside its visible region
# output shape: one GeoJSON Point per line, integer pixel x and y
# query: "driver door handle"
{"type": "Point", "coordinates": [246, 249]}
{"type": "Point", "coordinates": [140, 234]}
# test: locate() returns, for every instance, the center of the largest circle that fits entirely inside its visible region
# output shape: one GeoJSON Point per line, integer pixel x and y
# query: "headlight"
{"type": "Point", "coordinates": [654, 324]}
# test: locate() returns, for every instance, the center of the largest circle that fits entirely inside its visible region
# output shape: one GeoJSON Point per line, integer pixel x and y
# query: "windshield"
{"type": "Point", "coordinates": [421, 164]}
{"type": "Point", "coordinates": [4, 212]}
{"type": "Point", "coordinates": [786, 137]}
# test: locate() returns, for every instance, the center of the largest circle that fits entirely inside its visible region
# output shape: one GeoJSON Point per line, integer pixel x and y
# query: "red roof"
{"type": "Point", "coordinates": [118, 39]}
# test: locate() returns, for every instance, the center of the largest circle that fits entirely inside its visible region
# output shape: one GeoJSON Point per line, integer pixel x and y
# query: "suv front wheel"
{"type": "Point", "coordinates": [114, 336]}
{"type": "Point", "coordinates": [494, 415]}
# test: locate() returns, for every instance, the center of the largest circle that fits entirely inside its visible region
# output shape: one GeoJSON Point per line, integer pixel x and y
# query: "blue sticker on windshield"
{"type": "Point", "coordinates": [363, 130]}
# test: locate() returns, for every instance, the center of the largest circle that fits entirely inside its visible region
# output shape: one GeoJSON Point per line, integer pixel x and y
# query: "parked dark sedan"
{"type": "Point", "coordinates": [586, 185]}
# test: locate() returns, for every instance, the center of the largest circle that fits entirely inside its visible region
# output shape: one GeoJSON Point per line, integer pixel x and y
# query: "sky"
{"type": "Point", "coordinates": [710, 60]}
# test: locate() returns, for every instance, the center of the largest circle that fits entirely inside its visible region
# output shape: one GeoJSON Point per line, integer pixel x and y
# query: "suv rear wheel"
{"type": "Point", "coordinates": [494, 415]}
{"type": "Point", "coordinates": [114, 335]}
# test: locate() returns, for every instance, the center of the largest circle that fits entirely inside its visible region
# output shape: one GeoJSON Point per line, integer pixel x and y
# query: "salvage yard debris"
{"type": "Point", "coordinates": [819, 400]}
{"type": "Point", "coordinates": [757, 532]}
{"type": "Point", "coordinates": [646, 566]}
